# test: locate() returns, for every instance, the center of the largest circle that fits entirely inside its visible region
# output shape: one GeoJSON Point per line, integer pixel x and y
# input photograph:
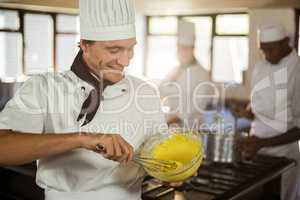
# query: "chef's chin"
{"type": "Point", "coordinates": [273, 62]}
{"type": "Point", "coordinates": [113, 76]}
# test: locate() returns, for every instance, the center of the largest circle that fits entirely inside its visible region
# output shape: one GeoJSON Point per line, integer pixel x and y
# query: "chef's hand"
{"type": "Point", "coordinates": [174, 184]}
{"type": "Point", "coordinates": [110, 146]}
{"type": "Point", "coordinates": [174, 120]}
{"type": "Point", "coordinates": [240, 111]}
{"type": "Point", "coordinates": [250, 146]}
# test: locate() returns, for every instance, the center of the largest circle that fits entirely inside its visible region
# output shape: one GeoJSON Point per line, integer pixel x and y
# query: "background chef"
{"type": "Point", "coordinates": [62, 118]}
{"type": "Point", "coordinates": [275, 104]}
{"type": "Point", "coordinates": [181, 86]}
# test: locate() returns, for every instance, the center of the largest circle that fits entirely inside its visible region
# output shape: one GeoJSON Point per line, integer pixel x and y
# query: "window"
{"type": "Point", "coordinates": [38, 32]}
{"type": "Point", "coordinates": [36, 42]}
{"type": "Point", "coordinates": [11, 45]}
{"type": "Point", "coordinates": [67, 37]}
{"type": "Point", "coordinates": [221, 45]}
{"type": "Point", "coordinates": [10, 54]}
{"type": "Point", "coordinates": [161, 42]}
{"type": "Point", "coordinates": [9, 20]}
{"type": "Point", "coordinates": [203, 39]}
{"type": "Point", "coordinates": [230, 48]}
{"type": "Point", "coordinates": [237, 24]}
{"type": "Point", "coordinates": [230, 58]}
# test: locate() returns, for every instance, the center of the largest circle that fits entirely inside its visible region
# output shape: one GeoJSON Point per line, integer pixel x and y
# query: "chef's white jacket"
{"type": "Point", "coordinates": [275, 101]}
{"type": "Point", "coordinates": [187, 92]}
{"type": "Point", "coordinates": [50, 103]}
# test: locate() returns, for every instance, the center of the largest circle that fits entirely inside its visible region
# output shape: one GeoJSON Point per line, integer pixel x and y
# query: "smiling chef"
{"type": "Point", "coordinates": [62, 119]}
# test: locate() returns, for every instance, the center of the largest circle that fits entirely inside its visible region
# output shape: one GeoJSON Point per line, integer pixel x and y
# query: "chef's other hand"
{"type": "Point", "coordinates": [171, 184]}
{"type": "Point", "coordinates": [250, 146]}
{"type": "Point", "coordinates": [241, 111]}
{"type": "Point", "coordinates": [174, 184]}
{"type": "Point", "coordinates": [110, 146]}
{"type": "Point", "coordinates": [174, 120]}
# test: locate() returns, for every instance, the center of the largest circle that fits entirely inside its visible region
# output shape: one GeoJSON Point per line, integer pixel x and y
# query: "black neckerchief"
{"type": "Point", "coordinates": [91, 104]}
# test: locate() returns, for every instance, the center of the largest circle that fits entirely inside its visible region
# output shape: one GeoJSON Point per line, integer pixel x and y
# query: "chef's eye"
{"type": "Point", "coordinates": [114, 51]}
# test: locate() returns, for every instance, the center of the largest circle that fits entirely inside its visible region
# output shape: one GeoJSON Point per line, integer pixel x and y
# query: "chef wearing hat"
{"type": "Point", "coordinates": [275, 105]}
{"type": "Point", "coordinates": [183, 87]}
{"type": "Point", "coordinates": [81, 124]}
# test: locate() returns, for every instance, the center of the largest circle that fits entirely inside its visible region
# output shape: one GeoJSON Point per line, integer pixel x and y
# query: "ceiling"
{"type": "Point", "coordinates": [158, 6]}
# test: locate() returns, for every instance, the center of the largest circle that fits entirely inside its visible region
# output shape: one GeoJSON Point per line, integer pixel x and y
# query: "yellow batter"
{"type": "Point", "coordinates": [179, 148]}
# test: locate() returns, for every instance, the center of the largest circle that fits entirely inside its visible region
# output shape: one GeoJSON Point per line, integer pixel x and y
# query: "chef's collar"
{"type": "Point", "coordinates": [80, 68]}
{"type": "Point", "coordinates": [91, 104]}
{"type": "Point", "coordinates": [284, 60]}
{"type": "Point", "coordinates": [292, 54]}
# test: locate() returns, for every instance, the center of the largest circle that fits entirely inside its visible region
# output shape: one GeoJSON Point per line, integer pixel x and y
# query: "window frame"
{"type": "Point", "coordinates": [297, 31]}
{"type": "Point", "coordinates": [53, 15]}
{"type": "Point", "coordinates": [214, 34]}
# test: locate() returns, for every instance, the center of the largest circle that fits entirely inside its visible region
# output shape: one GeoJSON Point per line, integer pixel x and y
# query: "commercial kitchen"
{"type": "Point", "coordinates": [144, 100]}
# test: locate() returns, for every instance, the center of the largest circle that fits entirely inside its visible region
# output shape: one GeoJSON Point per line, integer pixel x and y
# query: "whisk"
{"type": "Point", "coordinates": [151, 164]}
{"type": "Point", "coordinates": [155, 165]}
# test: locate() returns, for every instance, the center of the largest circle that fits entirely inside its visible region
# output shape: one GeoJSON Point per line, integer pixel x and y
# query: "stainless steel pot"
{"type": "Point", "coordinates": [221, 148]}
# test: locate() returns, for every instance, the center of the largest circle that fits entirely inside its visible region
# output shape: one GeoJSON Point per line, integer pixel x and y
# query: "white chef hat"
{"type": "Point", "coordinates": [272, 33]}
{"type": "Point", "coordinates": [104, 20]}
{"type": "Point", "coordinates": [186, 33]}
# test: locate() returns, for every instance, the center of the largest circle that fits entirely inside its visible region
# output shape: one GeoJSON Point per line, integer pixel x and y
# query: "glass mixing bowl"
{"type": "Point", "coordinates": [185, 148]}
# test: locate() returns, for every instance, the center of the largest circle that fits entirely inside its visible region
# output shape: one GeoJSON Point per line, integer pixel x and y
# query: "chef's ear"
{"type": "Point", "coordinates": [83, 44]}
{"type": "Point", "coordinates": [285, 42]}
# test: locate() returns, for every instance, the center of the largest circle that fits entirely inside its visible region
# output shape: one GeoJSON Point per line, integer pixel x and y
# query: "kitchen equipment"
{"type": "Point", "coordinates": [222, 148]}
{"type": "Point", "coordinates": [221, 142]}
{"type": "Point", "coordinates": [156, 165]}
{"type": "Point", "coordinates": [184, 148]}
{"type": "Point", "coordinates": [151, 164]}
{"type": "Point", "coordinates": [219, 181]}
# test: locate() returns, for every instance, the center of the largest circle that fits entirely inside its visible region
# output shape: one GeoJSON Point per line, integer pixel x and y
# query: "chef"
{"type": "Point", "coordinates": [84, 125]}
{"type": "Point", "coordinates": [275, 104]}
{"type": "Point", "coordinates": [184, 87]}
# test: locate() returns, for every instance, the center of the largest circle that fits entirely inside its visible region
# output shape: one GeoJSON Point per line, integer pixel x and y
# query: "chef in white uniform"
{"type": "Point", "coordinates": [81, 124]}
{"type": "Point", "coordinates": [184, 87]}
{"type": "Point", "coordinates": [275, 103]}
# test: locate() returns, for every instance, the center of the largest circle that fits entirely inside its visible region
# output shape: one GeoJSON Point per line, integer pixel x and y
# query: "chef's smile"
{"type": "Point", "coordinates": [108, 58]}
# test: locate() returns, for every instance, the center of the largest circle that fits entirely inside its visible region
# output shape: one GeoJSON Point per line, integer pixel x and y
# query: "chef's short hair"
{"type": "Point", "coordinates": [87, 42]}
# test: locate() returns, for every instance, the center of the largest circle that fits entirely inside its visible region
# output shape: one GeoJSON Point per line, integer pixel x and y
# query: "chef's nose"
{"type": "Point", "coordinates": [124, 59]}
